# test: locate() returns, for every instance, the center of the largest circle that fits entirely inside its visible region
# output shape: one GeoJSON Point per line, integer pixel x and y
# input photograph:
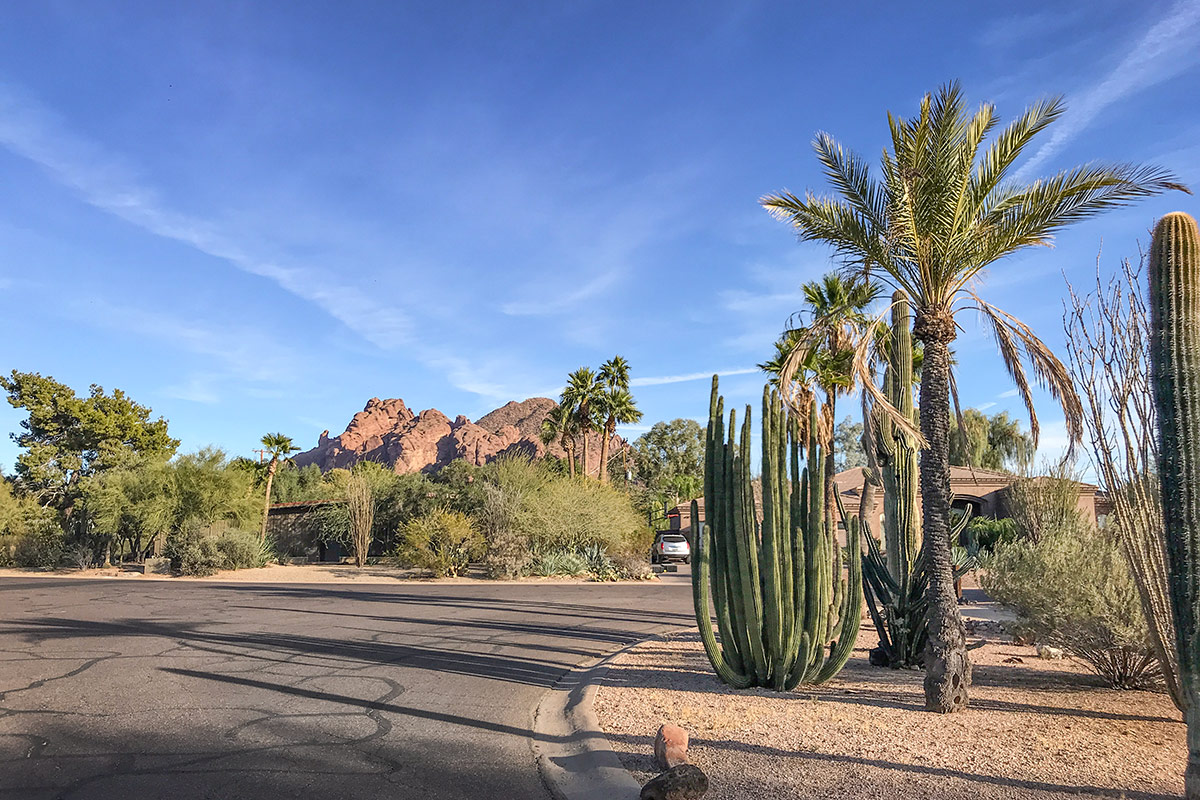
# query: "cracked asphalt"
{"type": "Point", "coordinates": [150, 689]}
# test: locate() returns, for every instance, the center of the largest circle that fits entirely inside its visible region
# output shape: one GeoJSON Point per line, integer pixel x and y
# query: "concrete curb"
{"type": "Point", "coordinates": [573, 755]}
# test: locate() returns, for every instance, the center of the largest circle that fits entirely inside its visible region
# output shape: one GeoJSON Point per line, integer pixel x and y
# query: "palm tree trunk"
{"type": "Point", "coordinates": [610, 426]}
{"type": "Point", "coordinates": [571, 458]}
{"type": "Point", "coordinates": [947, 668]}
{"type": "Point", "coordinates": [262, 536]}
{"type": "Point", "coordinates": [586, 469]}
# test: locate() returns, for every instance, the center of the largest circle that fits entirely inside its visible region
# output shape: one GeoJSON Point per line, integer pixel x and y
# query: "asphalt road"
{"type": "Point", "coordinates": [141, 689]}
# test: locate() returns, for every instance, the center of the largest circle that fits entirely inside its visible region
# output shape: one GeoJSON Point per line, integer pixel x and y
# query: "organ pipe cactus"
{"type": "Point", "coordinates": [770, 582]}
{"type": "Point", "coordinates": [1175, 378]}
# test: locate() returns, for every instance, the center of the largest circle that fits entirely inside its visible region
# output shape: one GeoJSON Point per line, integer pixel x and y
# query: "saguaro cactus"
{"type": "Point", "coordinates": [1175, 378]}
{"type": "Point", "coordinates": [770, 582]}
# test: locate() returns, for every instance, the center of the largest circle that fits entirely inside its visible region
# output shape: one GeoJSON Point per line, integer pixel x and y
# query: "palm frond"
{"type": "Point", "coordinates": [1013, 336]}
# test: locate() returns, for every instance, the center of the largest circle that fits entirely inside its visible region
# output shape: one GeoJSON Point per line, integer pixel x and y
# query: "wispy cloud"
{"type": "Point", "coordinates": [565, 301]}
{"type": "Point", "coordinates": [1009, 393]}
{"type": "Point", "coordinates": [1166, 49]}
{"type": "Point", "coordinates": [984, 406]}
{"type": "Point", "coordinates": [102, 180]}
{"type": "Point", "coordinates": [692, 376]}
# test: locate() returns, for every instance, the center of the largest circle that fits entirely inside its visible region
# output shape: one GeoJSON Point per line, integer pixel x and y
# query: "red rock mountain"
{"type": "Point", "coordinates": [386, 431]}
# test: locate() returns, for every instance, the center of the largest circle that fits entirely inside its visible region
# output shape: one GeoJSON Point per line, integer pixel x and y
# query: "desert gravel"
{"type": "Point", "coordinates": [1036, 729]}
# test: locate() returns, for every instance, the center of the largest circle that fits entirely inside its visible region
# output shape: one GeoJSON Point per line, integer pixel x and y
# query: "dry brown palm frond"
{"type": "Point", "coordinates": [1013, 336]}
{"type": "Point", "coordinates": [865, 372]}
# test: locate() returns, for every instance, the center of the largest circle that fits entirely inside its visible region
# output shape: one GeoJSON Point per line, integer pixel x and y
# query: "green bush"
{"type": "Point", "coordinates": [442, 541]}
{"type": "Point", "coordinates": [570, 514]}
{"type": "Point", "coordinates": [985, 533]}
{"type": "Point", "coordinates": [8, 549]}
{"type": "Point", "coordinates": [599, 564]}
{"type": "Point", "coordinates": [198, 551]}
{"type": "Point", "coordinates": [241, 549]}
{"type": "Point", "coordinates": [40, 544]}
{"type": "Point", "coordinates": [1071, 588]}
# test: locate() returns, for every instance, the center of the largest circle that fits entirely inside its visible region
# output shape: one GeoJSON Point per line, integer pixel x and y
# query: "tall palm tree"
{"type": "Point", "coordinates": [582, 396]}
{"type": "Point", "coordinates": [560, 427]}
{"type": "Point", "coordinates": [278, 446]}
{"type": "Point", "coordinates": [616, 406]}
{"type": "Point", "coordinates": [942, 212]}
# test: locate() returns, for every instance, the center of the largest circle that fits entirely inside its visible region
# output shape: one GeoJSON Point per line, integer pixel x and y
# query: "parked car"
{"type": "Point", "coordinates": [670, 547]}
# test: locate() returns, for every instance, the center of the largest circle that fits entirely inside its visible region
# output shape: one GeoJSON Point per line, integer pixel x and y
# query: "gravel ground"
{"type": "Point", "coordinates": [1036, 729]}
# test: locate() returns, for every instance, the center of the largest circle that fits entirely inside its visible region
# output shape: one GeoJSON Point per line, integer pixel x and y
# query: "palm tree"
{"type": "Point", "coordinates": [582, 396]}
{"type": "Point", "coordinates": [821, 353]}
{"type": "Point", "coordinates": [616, 406]}
{"type": "Point", "coordinates": [277, 445]}
{"type": "Point", "coordinates": [943, 212]}
{"type": "Point", "coordinates": [560, 427]}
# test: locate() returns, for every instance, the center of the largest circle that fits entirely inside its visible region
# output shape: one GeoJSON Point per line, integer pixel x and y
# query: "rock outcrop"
{"type": "Point", "coordinates": [388, 432]}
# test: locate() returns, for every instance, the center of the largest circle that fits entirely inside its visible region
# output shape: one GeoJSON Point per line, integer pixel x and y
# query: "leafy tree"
{"type": "Point", "coordinates": [616, 405]}
{"type": "Point", "coordinates": [131, 505]}
{"type": "Point", "coordinates": [67, 438]}
{"type": "Point", "coordinates": [996, 442]}
{"type": "Point", "coordinates": [669, 460]}
{"type": "Point", "coordinates": [278, 446]}
{"type": "Point", "coordinates": [847, 439]}
{"type": "Point", "coordinates": [942, 213]}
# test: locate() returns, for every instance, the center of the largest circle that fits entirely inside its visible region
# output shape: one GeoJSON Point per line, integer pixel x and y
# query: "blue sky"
{"type": "Point", "coordinates": [255, 216]}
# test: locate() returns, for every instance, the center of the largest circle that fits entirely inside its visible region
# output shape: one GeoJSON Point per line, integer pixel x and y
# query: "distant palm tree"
{"type": "Point", "coordinates": [560, 427]}
{"type": "Point", "coordinates": [277, 445]}
{"type": "Point", "coordinates": [821, 352]}
{"type": "Point", "coordinates": [582, 396]}
{"type": "Point", "coordinates": [616, 405]}
{"type": "Point", "coordinates": [942, 213]}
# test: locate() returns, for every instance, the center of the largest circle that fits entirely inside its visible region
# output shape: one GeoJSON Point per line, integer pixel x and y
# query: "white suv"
{"type": "Point", "coordinates": [670, 547]}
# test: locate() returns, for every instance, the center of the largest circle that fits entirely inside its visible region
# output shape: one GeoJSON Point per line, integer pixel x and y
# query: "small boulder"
{"type": "Point", "coordinates": [670, 746]}
{"type": "Point", "coordinates": [685, 782]}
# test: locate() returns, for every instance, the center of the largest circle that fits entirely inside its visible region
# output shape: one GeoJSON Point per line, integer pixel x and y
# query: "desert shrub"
{"type": "Point", "coordinates": [8, 549]}
{"type": "Point", "coordinates": [554, 563]}
{"type": "Point", "coordinates": [40, 543]}
{"type": "Point", "coordinates": [197, 550]}
{"type": "Point", "coordinates": [1071, 588]}
{"type": "Point", "coordinates": [984, 533]}
{"type": "Point", "coordinates": [192, 550]}
{"type": "Point", "coordinates": [567, 514]}
{"type": "Point", "coordinates": [507, 547]}
{"type": "Point", "coordinates": [1043, 503]}
{"type": "Point", "coordinates": [241, 549]}
{"type": "Point", "coordinates": [442, 541]}
{"type": "Point", "coordinates": [633, 567]}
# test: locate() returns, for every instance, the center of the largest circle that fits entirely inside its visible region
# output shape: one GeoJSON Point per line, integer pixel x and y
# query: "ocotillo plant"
{"type": "Point", "coordinates": [1175, 378]}
{"type": "Point", "coordinates": [893, 579]}
{"type": "Point", "coordinates": [771, 583]}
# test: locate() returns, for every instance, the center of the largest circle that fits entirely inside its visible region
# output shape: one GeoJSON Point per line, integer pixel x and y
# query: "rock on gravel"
{"type": "Point", "coordinates": [670, 746]}
{"type": "Point", "coordinates": [684, 782]}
